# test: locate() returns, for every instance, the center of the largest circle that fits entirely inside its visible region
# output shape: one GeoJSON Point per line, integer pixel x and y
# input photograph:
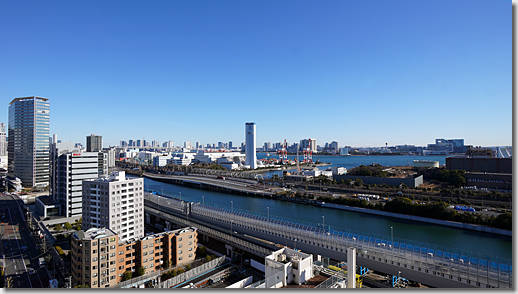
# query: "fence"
{"type": "Point", "coordinates": [192, 273]}
{"type": "Point", "coordinates": [468, 267]}
{"type": "Point", "coordinates": [450, 263]}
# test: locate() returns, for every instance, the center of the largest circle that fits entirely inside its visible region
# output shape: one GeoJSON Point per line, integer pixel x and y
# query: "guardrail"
{"type": "Point", "coordinates": [422, 257]}
{"type": "Point", "coordinates": [447, 263]}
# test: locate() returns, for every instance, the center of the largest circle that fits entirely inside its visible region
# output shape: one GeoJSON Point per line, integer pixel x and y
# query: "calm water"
{"type": "Point", "coordinates": [483, 243]}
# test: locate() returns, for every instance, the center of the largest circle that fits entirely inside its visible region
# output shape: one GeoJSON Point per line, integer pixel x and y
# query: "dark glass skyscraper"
{"type": "Point", "coordinates": [28, 140]}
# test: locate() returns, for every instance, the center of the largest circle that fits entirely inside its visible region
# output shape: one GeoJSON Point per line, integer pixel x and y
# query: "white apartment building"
{"type": "Point", "coordinates": [161, 160]}
{"type": "Point", "coordinates": [116, 202]}
{"type": "Point", "coordinates": [184, 158]}
{"type": "Point", "coordinates": [208, 157]}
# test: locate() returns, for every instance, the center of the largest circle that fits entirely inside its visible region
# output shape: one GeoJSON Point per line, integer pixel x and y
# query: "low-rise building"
{"type": "Point", "coordinates": [100, 258]}
{"type": "Point", "coordinates": [93, 258]}
{"type": "Point", "coordinates": [291, 266]}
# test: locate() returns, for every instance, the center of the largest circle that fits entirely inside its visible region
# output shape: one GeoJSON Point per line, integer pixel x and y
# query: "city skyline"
{"type": "Point", "coordinates": [360, 73]}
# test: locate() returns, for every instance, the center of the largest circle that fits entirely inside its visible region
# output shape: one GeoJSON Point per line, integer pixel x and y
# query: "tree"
{"type": "Point", "coordinates": [358, 182]}
{"type": "Point", "coordinates": [201, 251]}
{"type": "Point", "coordinates": [166, 264]}
{"type": "Point", "coordinates": [140, 271]}
{"type": "Point", "coordinates": [82, 286]}
{"type": "Point", "coordinates": [58, 228]}
{"type": "Point", "coordinates": [68, 226]}
{"type": "Point", "coordinates": [126, 276]}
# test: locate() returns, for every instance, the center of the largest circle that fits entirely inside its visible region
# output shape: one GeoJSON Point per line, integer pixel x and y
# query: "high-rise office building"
{"type": "Point", "coordinates": [116, 202]}
{"type": "Point", "coordinates": [69, 168]}
{"type": "Point", "coordinates": [28, 140]}
{"type": "Point", "coordinates": [250, 152]}
{"type": "Point", "coordinates": [308, 143]}
{"type": "Point", "coordinates": [94, 143]}
{"type": "Point", "coordinates": [3, 143]}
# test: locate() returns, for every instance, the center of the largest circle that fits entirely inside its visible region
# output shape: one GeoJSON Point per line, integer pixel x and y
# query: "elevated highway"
{"type": "Point", "coordinates": [432, 266]}
{"type": "Point", "coordinates": [237, 186]}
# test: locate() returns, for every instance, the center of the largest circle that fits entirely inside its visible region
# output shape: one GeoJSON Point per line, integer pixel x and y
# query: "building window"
{"type": "Point", "coordinates": [180, 258]}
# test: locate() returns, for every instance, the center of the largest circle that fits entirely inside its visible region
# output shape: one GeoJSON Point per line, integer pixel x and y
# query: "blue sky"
{"type": "Point", "coordinates": [361, 73]}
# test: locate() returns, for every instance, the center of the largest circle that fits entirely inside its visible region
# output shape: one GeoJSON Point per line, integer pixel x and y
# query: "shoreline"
{"type": "Point", "coordinates": [466, 226]}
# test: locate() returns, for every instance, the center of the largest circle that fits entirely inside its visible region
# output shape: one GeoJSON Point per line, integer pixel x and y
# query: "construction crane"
{"type": "Point", "coordinates": [307, 153]}
{"type": "Point", "coordinates": [283, 153]}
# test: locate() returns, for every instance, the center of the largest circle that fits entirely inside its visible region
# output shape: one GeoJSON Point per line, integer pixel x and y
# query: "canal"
{"type": "Point", "coordinates": [467, 240]}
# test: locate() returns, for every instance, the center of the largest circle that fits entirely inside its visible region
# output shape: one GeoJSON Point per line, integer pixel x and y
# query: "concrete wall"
{"type": "Point", "coordinates": [481, 164]}
{"type": "Point", "coordinates": [243, 283]}
{"type": "Point", "coordinates": [410, 182]}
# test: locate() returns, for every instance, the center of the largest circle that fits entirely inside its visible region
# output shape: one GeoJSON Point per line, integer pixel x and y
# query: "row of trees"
{"type": "Point", "coordinates": [67, 226]}
{"type": "Point", "coordinates": [436, 210]}
{"type": "Point", "coordinates": [374, 170]}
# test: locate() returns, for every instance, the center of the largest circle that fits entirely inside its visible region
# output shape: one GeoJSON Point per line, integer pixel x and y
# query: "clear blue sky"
{"type": "Point", "coordinates": [361, 73]}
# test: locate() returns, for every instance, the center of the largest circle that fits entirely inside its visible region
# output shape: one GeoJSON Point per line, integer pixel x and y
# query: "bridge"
{"type": "Point", "coordinates": [236, 186]}
{"type": "Point", "coordinates": [429, 264]}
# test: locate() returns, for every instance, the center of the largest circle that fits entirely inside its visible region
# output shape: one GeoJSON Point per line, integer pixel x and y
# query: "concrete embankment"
{"type": "Point", "coordinates": [422, 219]}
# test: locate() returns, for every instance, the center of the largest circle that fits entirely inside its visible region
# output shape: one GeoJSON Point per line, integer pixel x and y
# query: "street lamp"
{"type": "Point", "coordinates": [180, 195]}
{"type": "Point", "coordinates": [203, 197]}
{"type": "Point", "coordinates": [392, 236]}
{"type": "Point", "coordinates": [232, 219]}
{"type": "Point", "coordinates": [268, 214]}
{"type": "Point", "coordinates": [294, 244]}
{"type": "Point", "coordinates": [323, 225]}
{"type": "Point", "coordinates": [158, 203]}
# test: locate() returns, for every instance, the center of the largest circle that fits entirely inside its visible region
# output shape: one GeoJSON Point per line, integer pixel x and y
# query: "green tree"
{"type": "Point", "coordinates": [201, 251]}
{"type": "Point", "coordinates": [504, 221]}
{"type": "Point", "coordinates": [68, 226]}
{"type": "Point", "coordinates": [358, 182]}
{"type": "Point", "coordinates": [166, 264]}
{"type": "Point", "coordinates": [126, 276]}
{"type": "Point", "coordinates": [188, 267]}
{"type": "Point", "coordinates": [82, 286]}
{"type": "Point", "coordinates": [140, 271]}
{"type": "Point", "coordinates": [58, 228]}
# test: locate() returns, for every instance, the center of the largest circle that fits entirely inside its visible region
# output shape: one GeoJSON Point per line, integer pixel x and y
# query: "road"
{"type": "Point", "coordinates": [15, 235]}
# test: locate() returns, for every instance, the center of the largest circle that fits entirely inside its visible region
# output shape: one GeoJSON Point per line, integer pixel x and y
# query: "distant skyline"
{"type": "Point", "coordinates": [361, 73]}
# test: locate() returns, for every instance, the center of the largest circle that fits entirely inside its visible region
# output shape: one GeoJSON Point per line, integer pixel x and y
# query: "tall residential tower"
{"type": "Point", "coordinates": [94, 143]}
{"type": "Point", "coordinates": [28, 140]}
{"type": "Point", "coordinates": [251, 158]}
